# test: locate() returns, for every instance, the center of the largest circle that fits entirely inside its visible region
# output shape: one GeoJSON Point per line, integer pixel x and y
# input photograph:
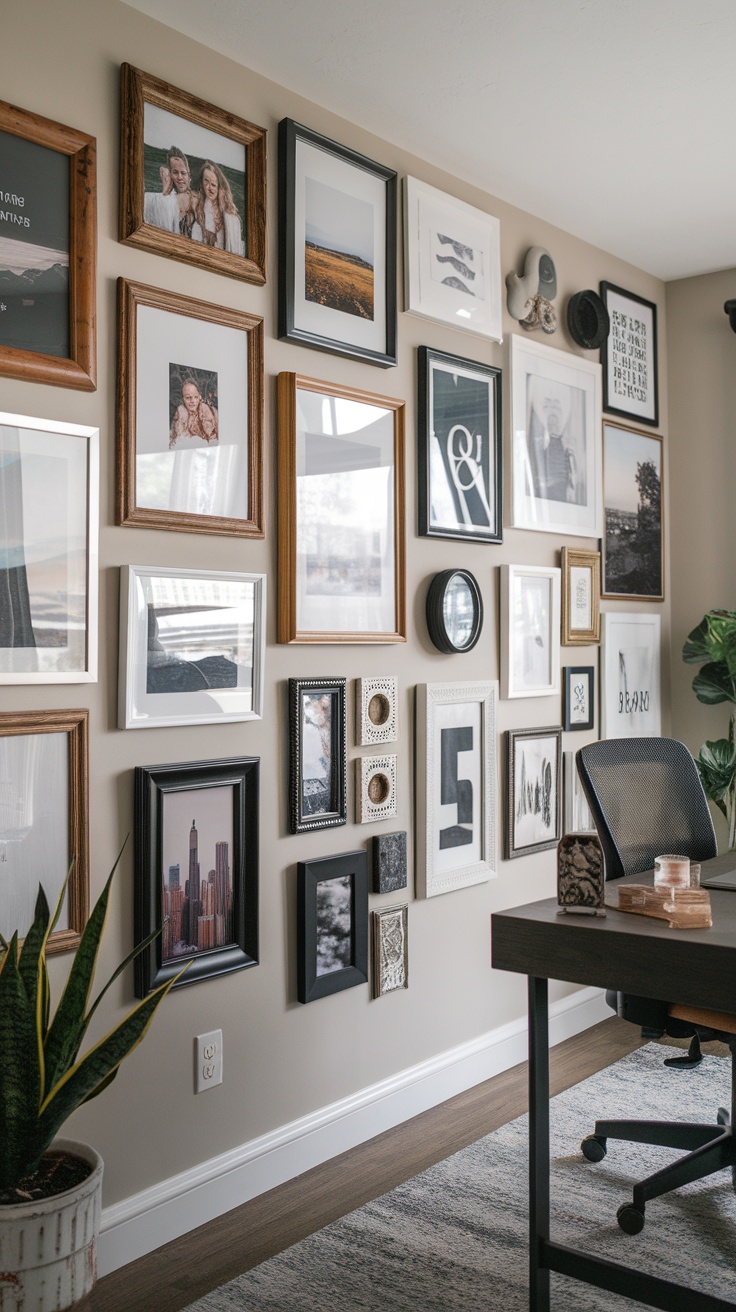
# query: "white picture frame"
{"type": "Point", "coordinates": [577, 818]}
{"type": "Point", "coordinates": [376, 710]}
{"type": "Point", "coordinates": [631, 692]}
{"type": "Point", "coordinates": [530, 630]}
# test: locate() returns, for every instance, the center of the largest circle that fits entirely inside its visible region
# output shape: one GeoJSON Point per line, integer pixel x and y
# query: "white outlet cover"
{"type": "Point", "coordinates": [207, 1060]}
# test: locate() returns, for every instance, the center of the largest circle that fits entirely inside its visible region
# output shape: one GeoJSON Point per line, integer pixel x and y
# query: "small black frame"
{"type": "Point", "coordinates": [435, 611]}
{"type": "Point", "coordinates": [313, 983]}
{"type": "Point", "coordinates": [335, 813]}
{"type": "Point", "coordinates": [570, 671]}
{"type": "Point", "coordinates": [647, 412]}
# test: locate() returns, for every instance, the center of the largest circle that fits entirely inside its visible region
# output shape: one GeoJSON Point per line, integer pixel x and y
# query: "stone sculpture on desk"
{"type": "Point", "coordinates": [580, 875]}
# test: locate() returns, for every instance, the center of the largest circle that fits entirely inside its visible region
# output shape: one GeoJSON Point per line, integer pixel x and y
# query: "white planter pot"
{"type": "Point", "coordinates": [48, 1248]}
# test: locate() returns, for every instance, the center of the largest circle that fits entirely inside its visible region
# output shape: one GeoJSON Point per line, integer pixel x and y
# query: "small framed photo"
{"type": "Point", "coordinates": [633, 538]}
{"type": "Point", "coordinates": [530, 627]}
{"type": "Point", "coordinates": [317, 754]}
{"type": "Point", "coordinates": [581, 597]}
{"type": "Point", "coordinates": [631, 680]}
{"type": "Point", "coordinates": [452, 263]}
{"type": "Point", "coordinates": [191, 646]}
{"type": "Point", "coordinates": [390, 949]}
{"type": "Point", "coordinates": [556, 440]}
{"type": "Point", "coordinates": [577, 816]}
{"type": "Point", "coordinates": [629, 356]}
{"type": "Point", "coordinates": [376, 710]}
{"type": "Point", "coordinates": [190, 414]}
{"type": "Point", "coordinates": [49, 522]}
{"type": "Point", "coordinates": [340, 513]}
{"type": "Point", "coordinates": [48, 251]}
{"type": "Point", "coordinates": [192, 179]}
{"type": "Point", "coordinates": [456, 786]}
{"type": "Point", "coordinates": [534, 790]}
{"type": "Point", "coordinates": [459, 448]}
{"type": "Point", "coordinates": [337, 247]}
{"type": "Point", "coordinates": [44, 823]}
{"type": "Point", "coordinates": [579, 699]}
{"type": "Point", "coordinates": [196, 870]}
{"type": "Point", "coordinates": [332, 925]}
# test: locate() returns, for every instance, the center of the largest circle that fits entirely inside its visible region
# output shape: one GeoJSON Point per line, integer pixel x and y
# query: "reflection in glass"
{"type": "Point", "coordinates": [200, 634]}
{"type": "Point", "coordinates": [458, 610]}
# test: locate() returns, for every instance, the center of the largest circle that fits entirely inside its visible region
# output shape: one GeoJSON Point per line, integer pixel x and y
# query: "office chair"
{"type": "Point", "coordinates": [646, 798]}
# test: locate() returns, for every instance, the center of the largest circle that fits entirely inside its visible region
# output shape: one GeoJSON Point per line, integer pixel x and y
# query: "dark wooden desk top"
{"type": "Point", "coordinates": [635, 954]}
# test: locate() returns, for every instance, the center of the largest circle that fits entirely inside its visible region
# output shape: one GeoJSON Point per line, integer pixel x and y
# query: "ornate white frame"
{"type": "Point", "coordinates": [366, 767]}
{"type": "Point", "coordinates": [367, 734]}
{"type": "Point", "coordinates": [509, 575]}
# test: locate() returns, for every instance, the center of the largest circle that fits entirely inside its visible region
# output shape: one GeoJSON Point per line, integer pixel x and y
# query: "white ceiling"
{"type": "Point", "coordinates": [613, 119]}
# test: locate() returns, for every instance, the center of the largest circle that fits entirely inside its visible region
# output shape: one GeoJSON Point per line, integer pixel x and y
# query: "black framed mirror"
{"type": "Point", "coordinates": [454, 610]}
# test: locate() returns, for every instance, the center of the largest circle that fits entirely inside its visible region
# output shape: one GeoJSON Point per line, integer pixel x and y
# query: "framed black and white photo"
{"type": "Point", "coordinates": [49, 517]}
{"type": "Point", "coordinates": [332, 925]}
{"type": "Point", "coordinates": [390, 949]}
{"type": "Point", "coordinates": [581, 597]}
{"type": "Point", "coordinates": [633, 538]}
{"type": "Point", "coordinates": [556, 440]}
{"type": "Point", "coordinates": [317, 754]}
{"type": "Point", "coordinates": [191, 646]}
{"type": "Point", "coordinates": [530, 631]}
{"type": "Point", "coordinates": [579, 697]}
{"type": "Point", "coordinates": [459, 448]}
{"type": "Point", "coordinates": [629, 356]}
{"type": "Point", "coordinates": [337, 247]}
{"type": "Point", "coordinates": [534, 784]}
{"type": "Point", "coordinates": [630, 676]}
{"type": "Point", "coordinates": [452, 264]}
{"type": "Point", "coordinates": [577, 816]}
{"type": "Point", "coordinates": [456, 785]}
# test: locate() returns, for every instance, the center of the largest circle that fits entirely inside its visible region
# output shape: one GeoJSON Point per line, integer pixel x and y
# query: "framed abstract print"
{"type": "Point", "coordinates": [192, 179]}
{"type": "Point", "coordinates": [633, 537]}
{"type": "Point", "coordinates": [190, 414]}
{"type": "Point", "coordinates": [581, 597]}
{"type": "Point", "coordinates": [629, 356]}
{"type": "Point", "coordinates": [337, 247]}
{"type": "Point", "coordinates": [459, 448]}
{"type": "Point", "coordinates": [534, 789]}
{"type": "Point", "coordinates": [332, 925]}
{"type": "Point", "coordinates": [340, 514]}
{"type": "Point", "coordinates": [530, 628]}
{"type": "Point", "coordinates": [579, 698]}
{"type": "Point", "coordinates": [630, 676]}
{"type": "Point", "coordinates": [317, 754]}
{"type": "Point", "coordinates": [48, 251]}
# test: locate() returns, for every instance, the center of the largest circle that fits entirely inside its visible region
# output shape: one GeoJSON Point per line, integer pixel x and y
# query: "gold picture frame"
{"type": "Point", "coordinates": [581, 597]}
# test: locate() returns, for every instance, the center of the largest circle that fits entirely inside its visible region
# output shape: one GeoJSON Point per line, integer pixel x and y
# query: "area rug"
{"type": "Point", "coordinates": [454, 1239]}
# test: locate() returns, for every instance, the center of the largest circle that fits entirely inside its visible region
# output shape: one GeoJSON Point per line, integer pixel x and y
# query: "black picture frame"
{"type": "Point", "coordinates": [632, 547]}
{"type": "Point", "coordinates": [155, 787]}
{"type": "Point", "coordinates": [302, 817]}
{"type": "Point", "coordinates": [444, 596]}
{"type": "Point", "coordinates": [298, 316]}
{"type": "Point", "coordinates": [629, 356]}
{"type": "Point", "coordinates": [528, 793]}
{"type": "Point", "coordinates": [451, 423]}
{"type": "Point", "coordinates": [315, 978]}
{"type": "Point", "coordinates": [571, 700]}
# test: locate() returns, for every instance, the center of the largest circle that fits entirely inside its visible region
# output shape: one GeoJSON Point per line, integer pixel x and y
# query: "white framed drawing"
{"type": "Point", "coordinates": [577, 818]}
{"type": "Point", "coordinates": [534, 758]}
{"type": "Point", "coordinates": [630, 697]}
{"type": "Point", "coordinates": [556, 445]}
{"type": "Point", "coordinates": [530, 631]}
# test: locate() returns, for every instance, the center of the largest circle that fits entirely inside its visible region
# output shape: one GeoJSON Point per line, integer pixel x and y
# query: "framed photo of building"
{"type": "Point", "coordinates": [390, 949]}
{"type": "Point", "coordinates": [579, 699]}
{"type": "Point", "coordinates": [631, 679]}
{"type": "Point", "coordinates": [332, 925]}
{"type": "Point", "coordinates": [530, 628]}
{"type": "Point", "coordinates": [534, 789]}
{"type": "Point", "coordinates": [317, 754]}
{"type": "Point", "coordinates": [633, 502]}
{"type": "Point", "coordinates": [192, 179]}
{"type": "Point", "coordinates": [581, 597]}
{"type": "Point", "coordinates": [629, 356]}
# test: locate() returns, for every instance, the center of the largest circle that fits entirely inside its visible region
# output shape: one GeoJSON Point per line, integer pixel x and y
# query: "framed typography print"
{"type": "Point", "coordinates": [49, 513]}
{"type": "Point", "coordinates": [581, 597]}
{"type": "Point", "coordinates": [44, 821]}
{"type": "Point", "coordinates": [629, 356]}
{"type": "Point", "coordinates": [317, 754]}
{"type": "Point", "coordinates": [340, 513]}
{"type": "Point", "coordinates": [190, 414]}
{"type": "Point", "coordinates": [456, 785]}
{"type": "Point", "coordinates": [196, 870]}
{"type": "Point", "coordinates": [555, 440]}
{"type": "Point", "coordinates": [332, 925]}
{"type": "Point", "coordinates": [48, 251]}
{"type": "Point", "coordinates": [460, 448]}
{"type": "Point", "coordinates": [633, 536]}
{"type": "Point", "coordinates": [192, 179]}
{"type": "Point", "coordinates": [579, 699]}
{"type": "Point", "coordinates": [191, 646]}
{"type": "Point", "coordinates": [530, 627]}
{"type": "Point", "coordinates": [337, 247]}
{"type": "Point", "coordinates": [630, 676]}
{"type": "Point", "coordinates": [390, 949]}
{"type": "Point", "coordinates": [534, 785]}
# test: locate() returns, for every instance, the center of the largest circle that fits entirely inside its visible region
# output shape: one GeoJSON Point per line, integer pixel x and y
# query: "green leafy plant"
{"type": "Point", "coordinates": [713, 645]}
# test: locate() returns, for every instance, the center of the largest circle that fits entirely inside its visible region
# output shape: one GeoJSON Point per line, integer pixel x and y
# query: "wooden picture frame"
{"type": "Point", "coordinates": [633, 532]}
{"type": "Point", "coordinates": [530, 629]}
{"type": "Point", "coordinates": [66, 350]}
{"type": "Point", "coordinates": [347, 568]}
{"type": "Point", "coordinates": [581, 597]}
{"type": "Point", "coordinates": [317, 754]}
{"type": "Point", "coordinates": [332, 925]}
{"type": "Point", "coordinates": [533, 790]}
{"type": "Point", "coordinates": [629, 356]}
{"type": "Point", "coordinates": [390, 949]}
{"type": "Point", "coordinates": [172, 349]}
{"type": "Point", "coordinates": [204, 135]}
{"type": "Point", "coordinates": [579, 697]}
{"type": "Point", "coordinates": [44, 819]}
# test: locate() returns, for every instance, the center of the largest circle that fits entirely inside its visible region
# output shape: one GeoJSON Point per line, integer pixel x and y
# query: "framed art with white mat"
{"type": "Point", "coordinates": [630, 664]}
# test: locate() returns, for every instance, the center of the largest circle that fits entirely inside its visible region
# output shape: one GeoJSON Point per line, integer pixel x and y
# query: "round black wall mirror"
{"type": "Point", "coordinates": [454, 610]}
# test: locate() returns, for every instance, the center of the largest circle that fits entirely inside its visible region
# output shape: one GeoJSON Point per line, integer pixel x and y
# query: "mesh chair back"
{"type": "Point", "coordinates": [646, 798]}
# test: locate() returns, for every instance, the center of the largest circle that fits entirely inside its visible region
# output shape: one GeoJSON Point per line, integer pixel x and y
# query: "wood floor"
{"type": "Point", "coordinates": [170, 1278]}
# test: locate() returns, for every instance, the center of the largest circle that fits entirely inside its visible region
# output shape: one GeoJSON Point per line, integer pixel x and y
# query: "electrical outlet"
{"type": "Point", "coordinates": [207, 1060]}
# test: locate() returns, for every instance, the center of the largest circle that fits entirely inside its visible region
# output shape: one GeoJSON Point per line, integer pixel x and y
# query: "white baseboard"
{"type": "Point", "coordinates": [155, 1216]}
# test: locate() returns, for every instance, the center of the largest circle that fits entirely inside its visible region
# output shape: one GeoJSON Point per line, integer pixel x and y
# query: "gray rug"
{"type": "Point", "coordinates": [454, 1239]}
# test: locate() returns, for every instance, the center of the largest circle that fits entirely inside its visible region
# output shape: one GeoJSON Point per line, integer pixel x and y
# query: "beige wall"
{"type": "Point", "coordinates": [281, 1059]}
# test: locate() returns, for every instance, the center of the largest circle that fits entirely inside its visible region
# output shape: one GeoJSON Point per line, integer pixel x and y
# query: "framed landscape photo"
{"type": "Point", "coordinates": [534, 787]}
{"type": "Point", "coordinates": [191, 646]}
{"type": "Point", "coordinates": [196, 870]}
{"type": "Point", "coordinates": [337, 247]}
{"type": "Point", "coordinates": [332, 925]}
{"type": "Point", "coordinates": [48, 251]}
{"type": "Point", "coordinates": [631, 693]}
{"type": "Point", "coordinates": [192, 179]}
{"type": "Point", "coordinates": [49, 519]}
{"type": "Point", "coordinates": [555, 440]}
{"type": "Point", "coordinates": [633, 514]}
{"type": "Point", "coordinates": [190, 414]}
{"type": "Point", "coordinates": [452, 263]}
{"type": "Point", "coordinates": [581, 597]}
{"type": "Point", "coordinates": [460, 452]}
{"type": "Point", "coordinates": [579, 700]}
{"type": "Point", "coordinates": [340, 514]}
{"type": "Point", "coordinates": [629, 356]}
{"type": "Point", "coordinates": [317, 754]}
{"type": "Point", "coordinates": [530, 628]}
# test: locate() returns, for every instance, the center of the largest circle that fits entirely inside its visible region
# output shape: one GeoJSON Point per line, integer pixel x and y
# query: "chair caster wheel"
{"type": "Point", "coordinates": [723, 1117]}
{"type": "Point", "coordinates": [630, 1218]}
{"type": "Point", "coordinates": [593, 1148]}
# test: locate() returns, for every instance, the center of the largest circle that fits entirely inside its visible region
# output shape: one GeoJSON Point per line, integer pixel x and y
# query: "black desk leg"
{"type": "Point", "coordinates": [538, 1144]}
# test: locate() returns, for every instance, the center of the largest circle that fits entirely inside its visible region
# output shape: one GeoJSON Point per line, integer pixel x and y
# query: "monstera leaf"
{"type": "Point", "coordinates": [716, 762]}
{"type": "Point", "coordinates": [713, 645]}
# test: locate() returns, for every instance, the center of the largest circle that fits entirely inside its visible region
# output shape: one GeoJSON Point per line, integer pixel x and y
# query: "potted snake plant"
{"type": "Point", "coordinates": [713, 645]}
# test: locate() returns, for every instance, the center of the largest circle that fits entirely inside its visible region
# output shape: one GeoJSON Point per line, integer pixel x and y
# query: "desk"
{"type": "Point", "coordinates": [634, 954]}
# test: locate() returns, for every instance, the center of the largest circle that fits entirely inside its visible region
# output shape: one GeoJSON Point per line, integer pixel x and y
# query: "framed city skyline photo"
{"type": "Point", "coordinates": [317, 754]}
{"type": "Point", "coordinates": [534, 783]}
{"type": "Point", "coordinates": [579, 699]}
{"type": "Point", "coordinates": [192, 179]}
{"type": "Point", "coordinates": [337, 247]}
{"type": "Point", "coordinates": [581, 597]}
{"type": "Point", "coordinates": [630, 676]}
{"type": "Point", "coordinates": [530, 627]}
{"type": "Point", "coordinates": [629, 356]}
{"type": "Point", "coordinates": [332, 925]}
{"type": "Point", "coordinates": [633, 539]}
